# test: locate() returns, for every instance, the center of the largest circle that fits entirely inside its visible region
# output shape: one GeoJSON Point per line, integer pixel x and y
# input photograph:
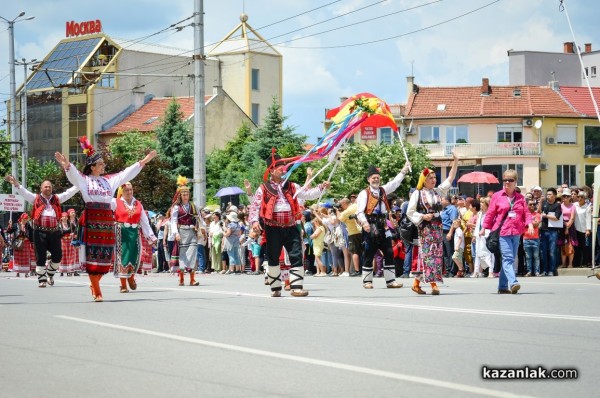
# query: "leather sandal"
{"type": "Point", "coordinates": [368, 285]}
{"type": "Point", "coordinates": [394, 285]}
{"type": "Point", "coordinates": [276, 293]}
{"type": "Point", "coordinates": [124, 290]}
{"type": "Point", "coordinates": [195, 283]}
{"type": "Point", "coordinates": [299, 293]}
{"type": "Point", "coordinates": [42, 284]}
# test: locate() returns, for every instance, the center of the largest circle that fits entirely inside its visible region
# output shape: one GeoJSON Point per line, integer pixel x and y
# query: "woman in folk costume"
{"type": "Point", "coordinates": [423, 210]}
{"type": "Point", "coordinates": [73, 224]}
{"type": "Point", "coordinates": [68, 262]}
{"type": "Point", "coordinates": [24, 259]}
{"type": "Point", "coordinates": [98, 218]}
{"type": "Point", "coordinates": [146, 258]}
{"type": "Point", "coordinates": [130, 218]}
{"type": "Point", "coordinates": [183, 223]}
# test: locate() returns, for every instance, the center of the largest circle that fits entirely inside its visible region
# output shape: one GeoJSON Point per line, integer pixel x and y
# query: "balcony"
{"type": "Point", "coordinates": [484, 149]}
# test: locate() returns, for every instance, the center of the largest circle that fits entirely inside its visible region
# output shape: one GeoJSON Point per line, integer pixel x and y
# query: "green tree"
{"type": "Point", "coordinates": [175, 141]}
{"type": "Point", "coordinates": [5, 164]}
{"type": "Point", "coordinates": [132, 146]}
{"type": "Point", "coordinates": [351, 174]}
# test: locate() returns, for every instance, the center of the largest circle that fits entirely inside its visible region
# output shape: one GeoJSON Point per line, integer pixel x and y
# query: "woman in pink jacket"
{"type": "Point", "coordinates": [509, 208]}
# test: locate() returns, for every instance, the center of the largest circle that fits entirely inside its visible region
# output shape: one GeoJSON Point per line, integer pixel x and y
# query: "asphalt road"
{"type": "Point", "coordinates": [228, 338]}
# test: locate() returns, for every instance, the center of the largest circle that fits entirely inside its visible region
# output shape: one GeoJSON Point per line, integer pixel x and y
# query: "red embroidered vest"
{"type": "Point", "coordinates": [270, 195]}
{"type": "Point", "coordinates": [122, 212]}
{"type": "Point", "coordinates": [39, 205]}
{"type": "Point", "coordinates": [372, 201]}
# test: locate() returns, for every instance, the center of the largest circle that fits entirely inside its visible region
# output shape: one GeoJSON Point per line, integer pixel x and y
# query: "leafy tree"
{"type": "Point", "coordinates": [5, 163]}
{"type": "Point", "coordinates": [175, 141]}
{"type": "Point", "coordinates": [351, 174]}
{"type": "Point", "coordinates": [132, 146]}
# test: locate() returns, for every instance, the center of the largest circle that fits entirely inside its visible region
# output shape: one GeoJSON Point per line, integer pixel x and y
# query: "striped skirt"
{"type": "Point", "coordinates": [99, 237]}
{"type": "Point", "coordinates": [146, 254]}
{"type": "Point", "coordinates": [70, 256]}
{"type": "Point", "coordinates": [24, 259]}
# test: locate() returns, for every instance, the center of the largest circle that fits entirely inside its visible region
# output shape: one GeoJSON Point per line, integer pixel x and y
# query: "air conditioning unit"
{"type": "Point", "coordinates": [527, 122]}
{"type": "Point", "coordinates": [543, 166]}
{"type": "Point", "coordinates": [550, 140]}
{"type": "Point", "coordinates": [409, 131]}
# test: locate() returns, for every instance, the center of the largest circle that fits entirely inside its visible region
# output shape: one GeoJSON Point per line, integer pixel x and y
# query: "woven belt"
{"type": "Point", "coordinates": [272, 223]}
{"type": "Point", "coordinates": [186, 227]}
{"type": "Point", "coordinates": [45, 229]}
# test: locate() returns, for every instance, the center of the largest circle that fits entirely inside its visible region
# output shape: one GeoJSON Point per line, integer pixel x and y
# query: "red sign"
{"type": "Point", "coordinates": [368, 133]}
{"type": "Point", "coordinates": [83, 28]}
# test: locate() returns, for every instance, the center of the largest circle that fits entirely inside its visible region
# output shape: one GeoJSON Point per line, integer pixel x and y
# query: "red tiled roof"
{"type": "Point", "coordinates": [149, 116]}
{"type": "Point", "coordinates": [468, 102]}
{"type": "Point", "coordinates": [580, 99]}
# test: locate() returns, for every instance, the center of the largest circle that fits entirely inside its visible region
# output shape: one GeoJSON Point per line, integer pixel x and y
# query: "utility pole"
{"type": "Point", "coordinates": [199, 107]}
{"type": "Point", "coordinates": [24, 136]}
{"type": "Point", "coordinates": [13, 92]}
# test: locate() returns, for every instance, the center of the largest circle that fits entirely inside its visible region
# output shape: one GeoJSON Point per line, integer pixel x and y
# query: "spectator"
{"type": "Point", "coordinates": [552, 223]}
{"type": "Point", "coordinates": [583, 226]}
{"type": "Point", "coordinates": [508, 211]}
{"type": "Point", "coordinates": [569, 234]}
{"type": "Point", "coordinates": [449, 213]}
{"type": "Point", "coordinates": [531, 242]}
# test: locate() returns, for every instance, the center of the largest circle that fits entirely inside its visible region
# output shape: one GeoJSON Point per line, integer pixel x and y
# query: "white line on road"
{"type": "Point", "coordinates": [311, 361]}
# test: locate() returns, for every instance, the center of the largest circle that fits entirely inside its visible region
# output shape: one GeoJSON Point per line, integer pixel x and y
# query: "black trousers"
{"type": "Point", "coordinates": [372, 244]}
{"type": "Point", "coordinates": [44, 241]}
{"type": "Point", "coordinates": [279, 237]}
{"type": "Point", "coordinates": [448, 252]}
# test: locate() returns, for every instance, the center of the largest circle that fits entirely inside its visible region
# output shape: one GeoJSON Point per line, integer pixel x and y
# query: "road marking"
{"type": "Point", "coordinates": [295, 358]}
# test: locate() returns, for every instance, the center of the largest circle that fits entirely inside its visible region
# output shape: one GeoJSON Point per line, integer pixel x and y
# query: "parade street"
{"type": "Point", "coordinates": [229, 338]}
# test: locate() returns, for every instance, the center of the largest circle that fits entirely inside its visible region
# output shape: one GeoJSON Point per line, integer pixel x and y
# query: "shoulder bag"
{"type": "Point", "coordinates": [493, 240]}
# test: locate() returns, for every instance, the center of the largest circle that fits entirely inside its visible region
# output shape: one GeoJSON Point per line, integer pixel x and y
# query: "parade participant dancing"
{"type": "Point", "coordinates": [183, 224]}
{"type": "Point", "coordinates": [130, 216]}
{"type": "Point", "coordinates": [423, 210]}
{"type": "Point", "coordinates": [277, 208]}
{"type": "Point", "coordinates": [373, 209]}
{"type": "Point", "coordinates": [46, 234]}
{"type": "Point", "coordinates": [98, 217]}
{"type": "Point", "coordinates": [24, 259]}
{"type": "Point", "coordinates": [68, 261]}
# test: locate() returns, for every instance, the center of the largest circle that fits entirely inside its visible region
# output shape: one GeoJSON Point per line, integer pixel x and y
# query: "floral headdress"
{"type": "Point", "coordinates": [423, 177]}
{"type": "Point", "coordinates": [182, 185]}
{"type": "Point", "coordinates": [88, 149]}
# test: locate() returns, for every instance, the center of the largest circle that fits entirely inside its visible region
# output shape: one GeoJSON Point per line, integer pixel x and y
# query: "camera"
{"type": "Point", "coordinates": [337, 206]}
{"type": "Point", "coordinates": [352, 216]}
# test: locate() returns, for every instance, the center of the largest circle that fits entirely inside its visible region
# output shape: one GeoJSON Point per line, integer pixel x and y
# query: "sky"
{"type": "Point", "coordinates": [330, 49]}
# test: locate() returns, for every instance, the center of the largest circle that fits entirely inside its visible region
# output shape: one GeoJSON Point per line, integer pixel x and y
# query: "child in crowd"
{"type": "Point", "coordinates": [459, 247]}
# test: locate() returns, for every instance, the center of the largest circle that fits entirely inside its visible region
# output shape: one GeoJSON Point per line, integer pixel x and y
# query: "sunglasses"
{"type": "Point", "coordinates": [508, 180]}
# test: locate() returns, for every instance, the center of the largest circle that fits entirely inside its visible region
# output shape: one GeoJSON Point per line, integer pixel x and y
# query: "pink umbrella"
{"type": "Point", "coordinates": [479, 177]}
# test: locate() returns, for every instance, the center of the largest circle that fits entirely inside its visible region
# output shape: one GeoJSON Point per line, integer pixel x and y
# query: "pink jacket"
{"type": "Point", "coordinates": [499, 206]}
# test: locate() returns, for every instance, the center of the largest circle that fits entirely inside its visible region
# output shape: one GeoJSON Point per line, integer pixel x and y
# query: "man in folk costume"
{"type": "Point", "coordinates": [46, 235]}
{"type": "Point", "coordinates": [184, 217]}
{"type": "Point", "coordinates": [277, 208]}
{"type": "Point", "coordinates": [373, 211]}
{"type": "Point", "coordinates": [130, 217]}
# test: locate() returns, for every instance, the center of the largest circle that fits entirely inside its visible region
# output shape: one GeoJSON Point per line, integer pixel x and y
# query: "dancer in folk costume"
{"type": "Point", "coordinates": [373, 210]}
{"type": "Point", "coordinates": [131, 223]}
{"type": "Point", "coordinates": [74, 225]}
{"type": "Point", "coordinates": [146, 258]}
{"type": "Point", "coordinates": [423, 210]}
{"type": "Point", "coordinates": [184, 218]}
{"type": "Point", "coordinates": [46, 235]}
{"type": "Point", "coordinates": [69, 262]}
{"type": "Point", "coordinates": [276, 206]}
{"type": "Point", "coordinates": [23, 253]}
{"type": "Point", "coordinates": [98, 218]}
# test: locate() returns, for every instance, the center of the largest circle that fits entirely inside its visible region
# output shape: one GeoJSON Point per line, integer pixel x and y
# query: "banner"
{"type": "Point", "coordinates": [11, 202]}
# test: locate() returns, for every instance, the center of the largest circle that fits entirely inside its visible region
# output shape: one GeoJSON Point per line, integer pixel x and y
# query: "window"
{"type": "Point", "coordinates": [107, 81]}
{"type": "Point", "coordinates": [255, 79]}
{"type": "Point", "coordinates": [255, 113]}
{"type": "Point", "coordinates": [457, 134]}
{"type": "Point", "coordinates": [589, 174]}
{"type": "Point", "coordinates": [385, 135]}
{"type": "Point", "coordinates": [591, 140]}
{"type": "Point", "coordinates": [517, 167]}
{"type": "Point", "coordinates": [585, 73]}
{"type": "Point", "coordinates": [566, 174]}
{"type": "Point", "coordinates": [429, 134]}
{"type": "Point", "coordinates": [593, 71]}
{"type": "Point", "coordinates": [566, 134]}
{"type": "Point", "coordinates": [510, 133]}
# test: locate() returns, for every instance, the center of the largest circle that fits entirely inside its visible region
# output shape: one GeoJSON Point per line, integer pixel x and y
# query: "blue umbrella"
{"type": "Point", "coordinates": [229, 191]}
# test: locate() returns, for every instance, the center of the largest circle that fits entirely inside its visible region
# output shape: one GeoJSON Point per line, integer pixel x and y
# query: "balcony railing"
{"type": "Point", "coordinates": [484, 149]}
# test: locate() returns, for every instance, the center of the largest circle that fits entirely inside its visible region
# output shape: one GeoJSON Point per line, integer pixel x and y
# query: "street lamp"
{"type": "Point", "coordinates": [24, 136]}
{"type": "Point", "coordinates": [13, 90]}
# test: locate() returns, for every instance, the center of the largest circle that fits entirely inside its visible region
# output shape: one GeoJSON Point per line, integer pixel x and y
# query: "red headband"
{"type": "Point", "coordinates": [426, 172]}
